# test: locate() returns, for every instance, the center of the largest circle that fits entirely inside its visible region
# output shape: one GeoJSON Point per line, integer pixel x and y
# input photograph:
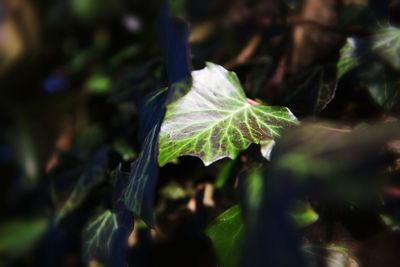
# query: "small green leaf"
{"type": "Point", "coordinates": [348, 60]}
{"type": "Point", "coordinates": [18, 236]}
{"type": "Point", "coordinates": [215, 119]}
{"type": "Point", "coordinates": [98, 83]}
{"type": "Point", "coordinates": [98, 235]}
{"type": "Point", "coordinates": [303, 214]}
{"type": "Point", "coordinates": [226, 233]}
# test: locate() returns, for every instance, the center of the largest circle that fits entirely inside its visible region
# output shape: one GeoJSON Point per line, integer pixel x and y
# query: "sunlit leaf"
{"type": "Point", "coordinates": [215, 120]}
{"type": "Point", "coordinates": [386, 43]}
{"type": "Point", "coordinates": [226, 233]}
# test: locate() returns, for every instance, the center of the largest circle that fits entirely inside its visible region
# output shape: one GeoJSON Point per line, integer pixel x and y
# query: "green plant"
{"type": "Point", "coordinates": [285, 153]}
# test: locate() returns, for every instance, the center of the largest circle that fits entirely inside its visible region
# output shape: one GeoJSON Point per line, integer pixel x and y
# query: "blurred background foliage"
{"type": "Point", "coordinates": [73, 79]}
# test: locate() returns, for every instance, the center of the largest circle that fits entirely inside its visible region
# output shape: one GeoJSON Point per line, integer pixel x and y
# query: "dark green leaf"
{"type": "Point", "coordinates": [382, 85]}
{"type": "Point", "coordinates": [93, 174]}
{"type": "Point", "coordinates": [367, 68]}
{"type": "Point", "coordinates": [139, 193]}
{"type": "Point", "coordinates": [314, 88]}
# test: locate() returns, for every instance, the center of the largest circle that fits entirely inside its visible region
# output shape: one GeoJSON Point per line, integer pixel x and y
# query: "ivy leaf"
{"type": "Point", "coordinates": [348, 60]}
{"type": "Point", "coordinates": [139, 193]}
{"type": "Point", "coordinates": [368, 69]}
{"type": "Point", "coordinates": [314, 88]}
{"type": "Point", "coordinates": [382, 84]}
{"type": "Point", "coordinates": [386, 43]}
{"type": "Point", "coordinates": [226, 233]}
{"type": "Point", "coordinates": [227, 230]}
{"type": "Point", "coordinates": [105, 236]}
{"type": "Point", "coordinates": [98, 235]}
{"type": "Point", "coordinates": [93, 174]}
{"type": "Point", "coordinates": [215, 120]}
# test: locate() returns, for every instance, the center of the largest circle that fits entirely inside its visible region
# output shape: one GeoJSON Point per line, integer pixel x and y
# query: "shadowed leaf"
{"type": "Point", "coordinates": [93, 174]}
{"type": "Point", "coordinates": [98, 235]}
{"type": "Point", "coordinates": [139, 193]}
{"type": "Point", "coordinates": [363, 57]}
